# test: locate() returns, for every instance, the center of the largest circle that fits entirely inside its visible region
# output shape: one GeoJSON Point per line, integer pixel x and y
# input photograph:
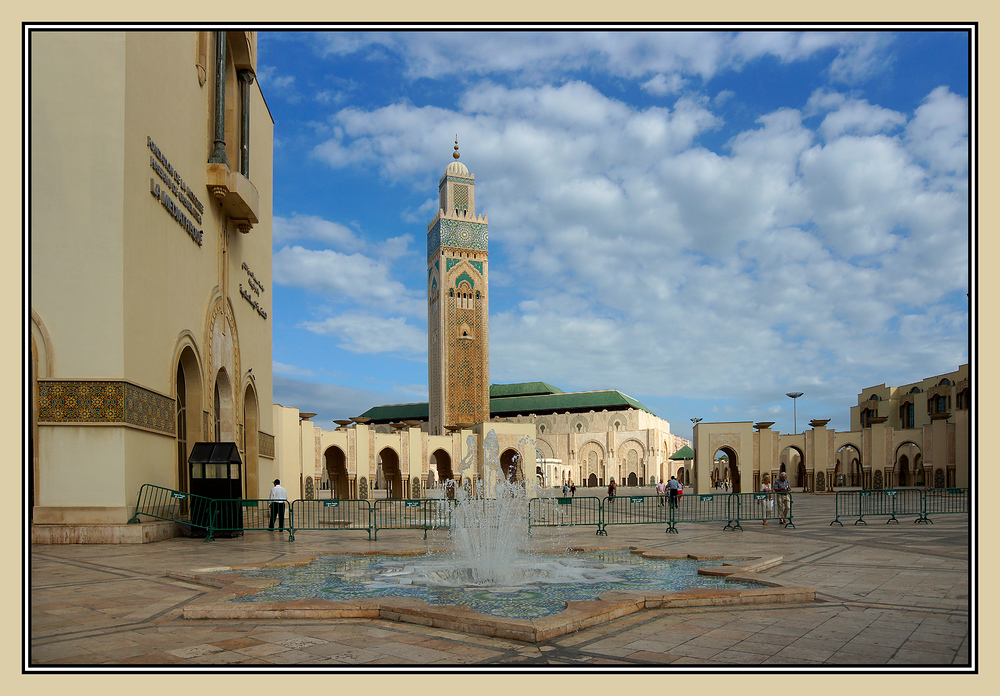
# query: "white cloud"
{"type": "Point", "coordinates": [662, 85]}
{"type": "Point", "coordinates": [287, 229]}
{"type": "Point", "coordinates": [939, 132]}
{"type": "Point", "coordinates": [368, 333]}
{"type": "Point", "coordinates": [353, 277]}
{"type": "Point", "coordinates": [291, 370]}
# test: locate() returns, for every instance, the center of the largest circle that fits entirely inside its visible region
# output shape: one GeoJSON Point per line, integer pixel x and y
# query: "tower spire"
{"type": "Point", "coordinates": [456, 154]}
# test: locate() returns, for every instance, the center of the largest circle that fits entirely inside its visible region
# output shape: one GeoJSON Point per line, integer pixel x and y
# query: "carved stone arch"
{"type": "Point", "coordinates": [579, 424]}
{"type": "Point", "coordinates": [335, 468]}
{"type": "Point", "coordinates": [221, 335]}
{"type": "Point", "coordinates": [618, 421]}
{"type": "Point", "coordinates": [632, 461]}
{"type": "Point", "coordinates": [543, 425]}
{"type": "Point", "coordinates": [545, 447]}
{"type": "Point", "coordinates": [189, 400]}
{"type": "Point", "coordinates": [43, 345]}
{"type": "Point", "coordinates": [251, 440]}
{"type": "Point", "coordinates": [592, 458]}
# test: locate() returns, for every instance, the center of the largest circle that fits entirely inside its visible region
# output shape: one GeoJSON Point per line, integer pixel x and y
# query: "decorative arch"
{"type": "Point", "coordinates": [223, 407]}
{"type": "Point", "coordinates": [591, 457]}
{"type": "Point", "coordinates": [849, 465]}
{"type": "Point", "coordinates": [187, 381]}
{"type": "Point", "coordinates": [545, 448]}
{"type": "Point", "coordinates": [251, 441]}
{"type": "Point", "coordinates": [734, 465]}
{"type": "Point", "coordinates": [631, 461]}
{"type": "Point", "coordinates": [906, 460]}
{"type": "Point", "coordinates": [579, 424]}
{"type": "Point", "coordinates": [335, 462]}
{"type": "Point", "coordinates": [389, 460]}
{"type": "Point", "coordinates": [510, 465]}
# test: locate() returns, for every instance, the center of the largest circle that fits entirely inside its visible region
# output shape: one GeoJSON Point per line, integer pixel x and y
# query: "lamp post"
{"type": "Point", "coordinates": [795, 418]}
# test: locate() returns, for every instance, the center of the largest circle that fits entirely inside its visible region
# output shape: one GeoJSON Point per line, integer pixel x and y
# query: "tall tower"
{"type": "Point", "coordinates": [458, 317]}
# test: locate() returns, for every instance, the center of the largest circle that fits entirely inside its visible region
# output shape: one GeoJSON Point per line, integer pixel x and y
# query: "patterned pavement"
{"type": "Point", "coordinates": [887, 596]}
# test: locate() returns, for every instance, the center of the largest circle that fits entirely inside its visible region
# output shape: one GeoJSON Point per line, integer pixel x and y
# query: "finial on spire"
{"type": "Point", "coordinates": [456, 154]}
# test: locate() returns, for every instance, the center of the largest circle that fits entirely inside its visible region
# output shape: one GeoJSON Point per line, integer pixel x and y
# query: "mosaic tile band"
{"type": "Point", "coordinates": [112, 401]}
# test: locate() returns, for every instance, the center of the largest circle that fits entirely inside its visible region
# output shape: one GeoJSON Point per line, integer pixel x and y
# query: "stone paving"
{"type": "Point", "coordinates": [887, 596]}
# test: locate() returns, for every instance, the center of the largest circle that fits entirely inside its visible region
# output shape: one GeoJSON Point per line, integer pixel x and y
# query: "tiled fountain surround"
{"type": "Point", "coordinates": [577, 615]}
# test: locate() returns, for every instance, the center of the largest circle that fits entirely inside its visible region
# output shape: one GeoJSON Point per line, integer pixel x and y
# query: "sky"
{"type": "Point", "coordinates": [703, 221]}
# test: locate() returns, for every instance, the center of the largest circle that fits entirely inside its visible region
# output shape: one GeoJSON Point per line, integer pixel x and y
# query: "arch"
{"type": "Point", "coordinates": [389, 460]}
{"type": "Point", "coordinates": [510, 465]}
{"type": "Point", "coordinates": [251, 425]}
{"type": "Point", "coordinates": [632, 480]}
{"type": "Point", "coordinates": [792, 460]}
{"type": "Point", "coordinates": [440, 466]}
{"type": "Point", "coordinates": [849, 465]}
{"type": "Point", "coordinates": [187, 388]}
{"type": "Point", "coordinates": [591, 457]}
{"type": "Point", "coordinates": [906, 461]}
{"type": "Point", "coordinates": [631, 461]}
{"type": "Point", "coordinates": [335, 461]}
{"type": "Point", "coordinates": [734, 466]}
{"type": "Point", "coordinates": [592, 481]}
{"type": "Point", "coordinates": [545, 448]}
{"type": "Point", "coordinates": [223, 408]}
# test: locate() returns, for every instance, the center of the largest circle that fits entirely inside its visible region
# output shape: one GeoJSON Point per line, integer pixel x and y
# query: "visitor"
{"type": "Point", "coordinates": [766, 502]}
{"type": "Point", "coordinates": [565, 490]}
{"type": "Point", "coordinates": [783, 491]}
{"type": "Point", "coordinates": [672, 486]}
{"type": "Point", "coordinates": [612, 489]}
{"type": "Point", "coordinates": [278, 497]}
{"type": "Point", "coordinates": [680, 492]}
{"type": "Point", "coordinates": [572, 489]}
{"type": "Point", "coordinates": [661, 489]}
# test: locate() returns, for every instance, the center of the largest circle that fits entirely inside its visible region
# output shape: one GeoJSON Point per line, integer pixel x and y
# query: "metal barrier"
{"type": "Point", "coordinates": [193, 511]}
{"type": "Point", "coordinates": [880, 503]}
{"type": "Point", "coordinates": [763, 507]}
{"type": "Point", "coordinates": [238, 515]}
{"type": "Point", "coordinates": [584, 511]}
{"type": "Point", "coordinates": [636, 509]}
{"type": "Point", "coordinates": [417, 513]}
{"type": "Point", "coordinates": [713, 507]}
{"type": "Point", "coordinates": [944, 501]}
{"type": "Point", "coordinates": [327, 515]}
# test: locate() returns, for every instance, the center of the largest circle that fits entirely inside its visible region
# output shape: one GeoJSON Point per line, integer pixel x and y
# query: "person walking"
{"type": "Point", "coordinates": [565, 490]}
{"type": "Point", "coordinates": [783, 492]}
{"type": "Point", "coordinates": [612, 489]}
{"type": "Point", "coordinates": [661, 490]}
{"type": "Point", "coordinates": [766, 502]}
{"type": "Point", "coordinates": [278, 497]}
{"type": "Point", "coordinates": [572, 489]}
{"type": "Point", "coordinates": [673, 485]}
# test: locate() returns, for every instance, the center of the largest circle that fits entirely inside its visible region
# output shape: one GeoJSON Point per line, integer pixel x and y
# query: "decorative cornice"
{"type": "Point", "coordinates": [105, 402]}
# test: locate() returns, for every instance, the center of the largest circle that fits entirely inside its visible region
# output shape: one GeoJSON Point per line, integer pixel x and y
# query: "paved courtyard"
{"type": "Point", "coordinates": [887, 595]}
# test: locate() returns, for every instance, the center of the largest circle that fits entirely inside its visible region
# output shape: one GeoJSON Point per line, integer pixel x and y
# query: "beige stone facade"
{"type": "Point", "coordinates": [917, 434]}
{"type": "Point", "coordinates": [150, 274]}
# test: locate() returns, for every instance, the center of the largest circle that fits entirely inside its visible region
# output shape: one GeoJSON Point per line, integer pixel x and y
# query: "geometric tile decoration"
{"type": "Point", "coordinates": [265, 444]}
{"type": "Point", "coordinates": [459, 234]}
{"type": "Point", "coordinates": [105, 401]}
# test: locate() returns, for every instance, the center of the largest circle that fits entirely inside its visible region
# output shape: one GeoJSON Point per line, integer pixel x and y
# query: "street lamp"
{"type": "Point", "coordinates": [795, 418]}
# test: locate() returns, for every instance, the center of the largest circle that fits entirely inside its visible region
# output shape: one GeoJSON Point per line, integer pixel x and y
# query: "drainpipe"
{"type": "Point", "coordinates": [246, 79]}
{"type": "Point", "coordinates": [219, 154]}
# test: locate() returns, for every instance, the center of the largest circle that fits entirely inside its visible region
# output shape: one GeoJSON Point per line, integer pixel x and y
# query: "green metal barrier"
{"type": "Point", "coordinates": [566, 512]}
{"type": "Point", "coordinates": [418, 513]}
{"type": "Point", "coordinates": [944, 501]}
{"type": "Point", "coordinates": [636, 509]}
{"type": "Point", "coordinates": [713, 507]}
{"type": "Point", "coordinates": [238, 515]}
{"type": "Point", "coordinates": [880, 503]}
{"type": "Point", "coordinates": [193, 511]}
{"type": "Point", "coordinates": [328, 515]}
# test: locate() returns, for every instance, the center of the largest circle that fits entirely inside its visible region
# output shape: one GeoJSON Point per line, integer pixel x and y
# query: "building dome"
{"type": "Point", "coordinates": [457, 168]}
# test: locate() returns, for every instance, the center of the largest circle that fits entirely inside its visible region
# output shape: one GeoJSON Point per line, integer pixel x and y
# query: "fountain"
{"type": "Point", "coordinates": [489, 581]}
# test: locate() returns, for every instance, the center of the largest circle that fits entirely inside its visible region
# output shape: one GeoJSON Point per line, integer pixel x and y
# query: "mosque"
{"type": "Point", "coordinates": [150, 328]}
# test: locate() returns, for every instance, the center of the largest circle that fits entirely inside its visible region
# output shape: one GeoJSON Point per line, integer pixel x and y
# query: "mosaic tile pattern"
{"type": "Point", "coordinates": [265, 444]}
{"type": "Point", "coordinates": [460, 234]}
{"type": "Point", "coordinates": [112, 401]}
{"type": "Point", "coordinates": [341, 578]}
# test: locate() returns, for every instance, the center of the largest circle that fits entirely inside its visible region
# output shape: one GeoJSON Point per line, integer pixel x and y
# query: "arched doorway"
{"type": "Point", "coordinates": [250, 442]}
{"type": "Point", "coordinates": [222, 406]}
{"type": "Point", "coordinates": [632, 481]}
{"type": "Point", "coordinates": [792, 462]}
{"type": "Point", "coordinates": [187, 401]}
{"type": "Point", "coordinates": [729, 459]}
{"type": "Point", "coordinates": [592, 481]}
{"type": "Point", "coordinates": [389, 461]}
{"type": "Point", "coordinates": [336, 472]}
{"type": "Point", "coordinates": [440, 464]}
{"type": "Point", "coordinates": [510, 465]}
{"type": "Point", "coordinates": [848, 468]}
{"type": "Point", "coordinates": [907, 469]}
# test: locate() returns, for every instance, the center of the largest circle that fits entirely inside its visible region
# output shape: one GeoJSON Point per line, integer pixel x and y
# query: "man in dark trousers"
{"type": "Point", "coordinates": [673, 487]}
{"type": "Point", "coordinates": [278, 497]}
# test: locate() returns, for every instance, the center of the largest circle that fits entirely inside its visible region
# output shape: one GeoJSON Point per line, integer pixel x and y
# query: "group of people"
{"type": "Point", "coordinates": [672, 489]}
{"type": "Point", "coordinates": [569, 489]}
{"type": "Point", "coordinates": [783, 486]}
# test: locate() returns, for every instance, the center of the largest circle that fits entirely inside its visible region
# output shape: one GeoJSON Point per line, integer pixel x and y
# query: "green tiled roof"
{"type": "Point", "coordinates": [683, 453]}
{"type": "Point", "coordinates": [520, 399]}
{"type": "Point", "coordinates": [498, 391]}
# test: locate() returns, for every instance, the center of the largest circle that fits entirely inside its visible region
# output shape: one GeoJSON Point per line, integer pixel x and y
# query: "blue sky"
{"type": "Point", "coordinates": [704, 221]}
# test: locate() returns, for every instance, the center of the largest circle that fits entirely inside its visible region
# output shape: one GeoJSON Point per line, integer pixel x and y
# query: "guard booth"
{"type": "Point", "coordinates": [216, 473]}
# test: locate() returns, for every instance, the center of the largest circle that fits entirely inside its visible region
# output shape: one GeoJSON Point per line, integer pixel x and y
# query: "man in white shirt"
{"type": "Point", "coordinates": [278, 497]}
{"type": "Point", "coordinates": [661, 488]}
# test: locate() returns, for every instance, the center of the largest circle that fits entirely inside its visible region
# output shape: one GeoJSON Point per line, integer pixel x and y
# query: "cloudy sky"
{"type": "Point", "coordinates": [704, 221]}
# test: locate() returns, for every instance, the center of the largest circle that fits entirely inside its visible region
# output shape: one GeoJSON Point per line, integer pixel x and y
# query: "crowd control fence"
{"type": "Point", "coordinates": [192, 511]}
{"type": "Point", "coordinates": [584, 511]}
{"type": "Point", "coordinates": [416, 513]}
{"type": "Point", "coordinates": [893, 503]}
{"type": "Point", "coordinates": [330, 515]}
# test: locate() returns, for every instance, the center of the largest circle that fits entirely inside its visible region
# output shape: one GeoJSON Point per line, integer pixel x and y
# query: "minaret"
{"type": "Point", "coordinates": [458, 317]}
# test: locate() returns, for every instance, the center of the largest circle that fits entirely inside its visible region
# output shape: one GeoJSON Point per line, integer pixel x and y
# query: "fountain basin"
{"type": "Point", "coordinates": [577, 614]}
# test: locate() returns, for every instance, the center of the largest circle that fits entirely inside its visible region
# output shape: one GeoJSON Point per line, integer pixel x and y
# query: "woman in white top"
{"type": "Point", "coordinates": [765, 487]}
